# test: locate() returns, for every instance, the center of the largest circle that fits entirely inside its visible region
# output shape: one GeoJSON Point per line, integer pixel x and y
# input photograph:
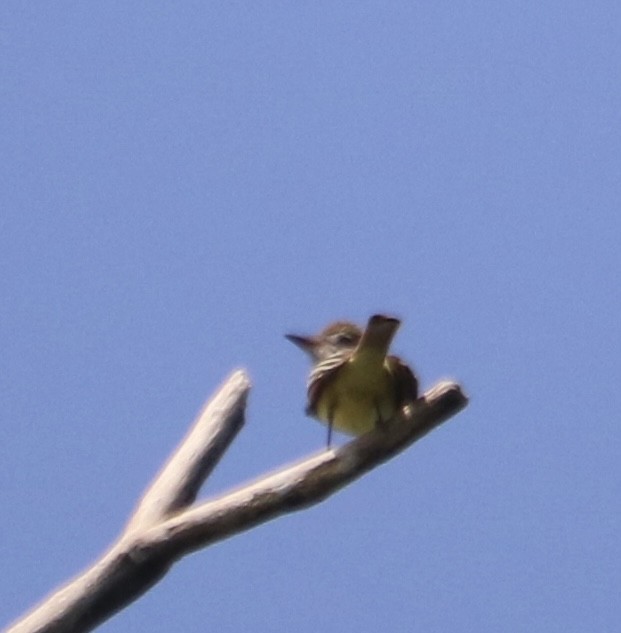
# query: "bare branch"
{"type": "Point", "coordinates": [197, 455]}
{"type": "Point", "coordinates": [117, 578]}
{"type": "Point", "coordinates": [304, 483]}
{"type": "Point", "coordinates": [155, 540]}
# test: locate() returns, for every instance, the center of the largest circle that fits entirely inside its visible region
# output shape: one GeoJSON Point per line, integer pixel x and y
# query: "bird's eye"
{"type": "Point", "coordinates": [345, 338]}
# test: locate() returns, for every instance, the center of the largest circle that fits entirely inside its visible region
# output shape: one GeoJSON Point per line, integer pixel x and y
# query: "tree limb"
{"type": "Point", "coordinates": [197, 455]}
{"type": "Point", "coordinates": [156, 536]}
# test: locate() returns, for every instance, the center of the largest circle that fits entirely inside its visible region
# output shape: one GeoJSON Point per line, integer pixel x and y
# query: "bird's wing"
{"type": "Point", "coordinates": [321, 376]}
{"type": "Point", "coordinates": [405, 381]}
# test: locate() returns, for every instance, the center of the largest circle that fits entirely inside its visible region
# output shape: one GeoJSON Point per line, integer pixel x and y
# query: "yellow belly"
{"type": "Point", "coordinates": [361, 396]}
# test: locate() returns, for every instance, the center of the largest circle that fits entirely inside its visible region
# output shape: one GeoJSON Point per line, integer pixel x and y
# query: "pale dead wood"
{"type": "Point", "coordinates": [197, 455]}
{"type": "Point", "coordinates": [118, 578]}
{"type": "Point", "coordinates": [156, 537]}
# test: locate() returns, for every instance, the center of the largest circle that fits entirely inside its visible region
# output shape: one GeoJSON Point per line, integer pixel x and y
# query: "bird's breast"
{"type": "Point", "coordinates": [360, 396]}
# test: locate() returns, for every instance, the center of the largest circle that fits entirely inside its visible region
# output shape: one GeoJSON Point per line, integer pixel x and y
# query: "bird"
{"type": "Point", "coordinates": [354, 385]}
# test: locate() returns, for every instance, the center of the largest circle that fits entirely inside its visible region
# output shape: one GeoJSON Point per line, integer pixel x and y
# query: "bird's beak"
{"type": "Point", "coordinates": [305, 343]}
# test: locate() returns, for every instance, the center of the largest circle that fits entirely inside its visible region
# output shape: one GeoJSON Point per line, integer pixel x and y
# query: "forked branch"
{"type": "Point", "coordinates": [165, 526]}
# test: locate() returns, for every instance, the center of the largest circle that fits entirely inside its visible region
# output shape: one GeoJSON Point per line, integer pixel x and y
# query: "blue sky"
{"type": "Point", "coordinates": [182, 184]}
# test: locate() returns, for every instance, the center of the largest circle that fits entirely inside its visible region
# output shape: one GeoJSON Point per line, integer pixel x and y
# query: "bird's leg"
{"type": "Point", "coordinates": [380, 422]}
{"type": "Point", "coordinates": [330, 425]}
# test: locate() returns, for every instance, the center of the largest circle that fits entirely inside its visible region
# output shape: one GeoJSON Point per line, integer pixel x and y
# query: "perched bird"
{"type": "Point", "coordinates": [354, 385]}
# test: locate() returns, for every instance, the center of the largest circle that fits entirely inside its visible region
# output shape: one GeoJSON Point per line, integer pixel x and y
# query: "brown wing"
{"type": "Point", "coordinates": [405, 380]}
{"type": "Point", "coordinates": [321, 376]}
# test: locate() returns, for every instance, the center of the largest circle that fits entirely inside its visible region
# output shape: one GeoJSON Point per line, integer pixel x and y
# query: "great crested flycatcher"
{"type": "Point", "coordinates": [354, 385]}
